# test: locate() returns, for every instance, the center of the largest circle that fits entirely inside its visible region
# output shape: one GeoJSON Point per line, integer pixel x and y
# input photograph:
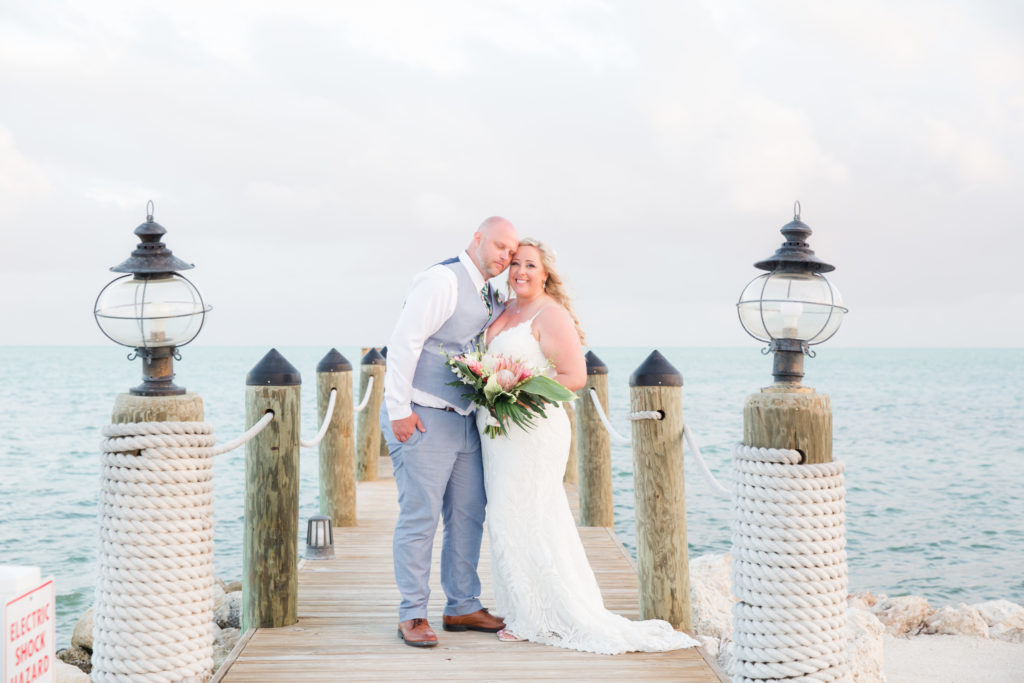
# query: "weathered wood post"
{"type": "Point", "coordinates": [662, 555]}
{"type": "Point", "coordinates": [571, 465]}
{"type": "Point", "coordinates": [384, 453]}
{"type": "Point", "coordinates": [595, 461]}
{"type": "Point", "coordinates": [337, 450]}
{"type": "Point", "coordinates": [270, 540]}
{"type": "Point", "coordinates": [790, 416]}
{"type": "Point", "coordinates": [368, 422]}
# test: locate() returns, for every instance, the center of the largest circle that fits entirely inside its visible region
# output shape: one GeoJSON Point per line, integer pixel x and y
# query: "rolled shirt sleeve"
{"type": "Point", "coordinates": [430, 302]}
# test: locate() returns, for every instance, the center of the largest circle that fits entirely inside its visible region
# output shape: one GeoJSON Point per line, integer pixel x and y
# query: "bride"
{"type": "Point", "coordinates": [543, 585]}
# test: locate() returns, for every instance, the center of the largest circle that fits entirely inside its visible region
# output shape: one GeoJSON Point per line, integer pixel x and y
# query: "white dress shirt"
{"type": "Point", "coordinates": [428, 305]}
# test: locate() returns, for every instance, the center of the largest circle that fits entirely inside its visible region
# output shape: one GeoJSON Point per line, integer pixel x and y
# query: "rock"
{"type": "Point", "coordinates": [865, 637]}
{"type": "Point", "coordinates": [233, 586]}
{"type": "Point", "coordinates": [902, 616]}
{"type": "Point", "coordinates": [224, 640]}
{"type": "Point", "coordinates": [227, 638]}
{"type": "Point", "coordinates": [218, 595]}
{"type": "Point", "coordinates": [725, 657]}
{"type": "Point", "coordinates": [1005, 619]}
{"type": "Point", "coordinates": [77, 657]}
{"type": "Point", "coordinates": [710, 645]}
{"type": "Point", "coordinates": [230, 613]}
{"type": "Point", "coordinates": [957, 621]}
{"type": "Point", "coordinates": [710, 596]}
{"type": "Point", "coordinates": [82, 635]}
{"type": "Point", "coordinates": [66, 673]}
{"type": "Point", "coordinates": [861, 600]}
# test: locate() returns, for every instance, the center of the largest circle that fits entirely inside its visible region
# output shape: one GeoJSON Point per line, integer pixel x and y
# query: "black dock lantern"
{"type": "Point", "coordinates": [793, 306]}
{"type": "Point", "coordinates": [152, 309]}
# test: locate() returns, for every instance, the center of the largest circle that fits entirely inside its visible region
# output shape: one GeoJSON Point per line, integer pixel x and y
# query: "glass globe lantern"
{"type": "Point", "coordinates": [152, 309]}
{"type": "Point", "coordinates": [793, 306]}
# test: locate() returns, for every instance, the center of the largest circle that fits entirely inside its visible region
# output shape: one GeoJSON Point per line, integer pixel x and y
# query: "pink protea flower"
{"type": "Point", "coordinates": [475, 365]}
{"type": "Point", "coordinates": [506, 378]}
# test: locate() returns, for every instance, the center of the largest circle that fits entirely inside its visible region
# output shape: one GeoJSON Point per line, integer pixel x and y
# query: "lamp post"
{"type": "Point", "coordinates": [151, 487]}
{"type": "Point", "coordinates": [152, 309]}
{"type": "Point", "coordinates": [792, 307]}
{"type": "Point", "coordinates": [789, 504]}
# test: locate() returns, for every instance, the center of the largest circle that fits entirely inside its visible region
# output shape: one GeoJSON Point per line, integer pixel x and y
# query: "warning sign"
{"type": "Point", "coordinates": [29, 632]}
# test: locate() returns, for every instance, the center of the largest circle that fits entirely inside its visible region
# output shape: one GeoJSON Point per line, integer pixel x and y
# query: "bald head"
{"type": "Point", "coordinates": [492, 246]}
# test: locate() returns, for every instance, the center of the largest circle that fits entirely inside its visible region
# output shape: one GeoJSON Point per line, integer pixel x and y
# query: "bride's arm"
{"type": "Point", "coordinates": [561, 343]}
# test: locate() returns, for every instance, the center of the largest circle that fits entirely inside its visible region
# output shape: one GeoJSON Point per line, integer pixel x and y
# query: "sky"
{"type": "Point", "coordinates": [311, 157]}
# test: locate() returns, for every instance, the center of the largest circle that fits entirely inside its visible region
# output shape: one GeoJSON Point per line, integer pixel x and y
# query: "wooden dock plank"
{"type": "Point", "coordinates": [347, 623]}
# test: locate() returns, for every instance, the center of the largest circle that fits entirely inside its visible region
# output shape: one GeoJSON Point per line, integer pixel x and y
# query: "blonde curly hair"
{"type": "Point", "coordinates": [553, 285]}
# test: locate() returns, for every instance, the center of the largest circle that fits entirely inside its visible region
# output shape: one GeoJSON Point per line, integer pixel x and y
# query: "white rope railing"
{"type": "Point", "coordinates": [366, 395]}
{"type": "Point", "coordinates": [246, 436]}
{"type": "Point", "coordinates": [788, 568]}
{"type": "Point", "coordinates": [658, 415]}
{"type": "Point", "coordinates": [708, 476]}
{"type": "Point", "coordinates": [323, 425]}
{"type": "Point", "coordinates": [614, 435]}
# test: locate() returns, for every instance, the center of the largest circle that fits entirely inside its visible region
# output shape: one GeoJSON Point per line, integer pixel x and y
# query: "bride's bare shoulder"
{"type": "Point", "coordinates": [554, 317]}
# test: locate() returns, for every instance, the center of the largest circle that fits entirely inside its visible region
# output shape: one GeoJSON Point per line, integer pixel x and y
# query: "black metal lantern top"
{"type": "Point", "coordinates": [795, 254]}
{"type": "Point", "coordinates": [151, 257]}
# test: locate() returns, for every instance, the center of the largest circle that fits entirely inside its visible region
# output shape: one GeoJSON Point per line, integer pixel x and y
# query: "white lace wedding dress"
{"type": "Point", "coordinates": [543, 584]}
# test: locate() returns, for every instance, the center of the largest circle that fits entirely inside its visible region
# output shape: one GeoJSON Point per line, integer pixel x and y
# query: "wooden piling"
{"type": "Point", "coordinates": [571, 473]}
{"type": "Point", "coordinates": [368, 422]}
{"type": "Point", "coordinates": [662, 555]}
{"type": "Point", "coordinates": [182, 408]}
{"type": "Point", "coordinates": [595, 453]}
{"type": "Point", "coordinates": [270, 540]}
{"type": "Point", "coordinates": [790, 416]}
{"type": "Point", "coordinates": [337, 450]}
{"type": "Point", "coordinates": [384, 452]}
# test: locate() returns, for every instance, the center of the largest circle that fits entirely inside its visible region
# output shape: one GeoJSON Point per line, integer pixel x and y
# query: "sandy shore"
{"type": "Point", "coordinates": [952, 659]}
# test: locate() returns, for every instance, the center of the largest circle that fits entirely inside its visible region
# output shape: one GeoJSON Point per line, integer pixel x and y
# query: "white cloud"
{"type": "Point", "coordinates": [21, 179]}
{"type": "Point", "coordinates": [122, 195]}
{"type": "Point", "coordinates": [968, 155]}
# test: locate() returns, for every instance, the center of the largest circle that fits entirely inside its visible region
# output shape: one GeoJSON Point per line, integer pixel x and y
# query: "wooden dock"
{"type": "Point", "coordinates": [347, 620]}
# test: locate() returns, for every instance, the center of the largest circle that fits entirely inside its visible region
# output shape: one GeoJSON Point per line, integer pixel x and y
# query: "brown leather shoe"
{"type": "Point", "coordinates": [481, 620]}
{"type": "Point", "coordinates": [417, 632]}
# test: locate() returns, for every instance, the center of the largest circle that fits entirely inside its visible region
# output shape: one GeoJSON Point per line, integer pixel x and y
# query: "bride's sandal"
{"type": "Point", "coordinates": [507, 636]}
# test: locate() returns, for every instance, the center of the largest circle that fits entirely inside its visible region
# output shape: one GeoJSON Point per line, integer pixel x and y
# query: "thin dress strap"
{"type": "Point", "coordinates": [539, 311]}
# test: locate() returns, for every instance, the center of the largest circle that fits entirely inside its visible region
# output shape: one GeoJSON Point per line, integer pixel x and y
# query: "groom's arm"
{"type": "Point", "coordinates": [430, 302]}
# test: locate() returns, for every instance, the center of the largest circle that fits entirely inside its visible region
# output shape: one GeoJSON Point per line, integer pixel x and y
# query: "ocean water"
{"type": "Point", "coordinates": [933, 442]}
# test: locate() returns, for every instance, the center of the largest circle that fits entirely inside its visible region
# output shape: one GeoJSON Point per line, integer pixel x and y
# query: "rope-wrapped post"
{"type": "Point", "coordinates": [270, 540]}
{"type": "Point", "coordinates": [337, 451]}
{"type": "Point", "coordinates": [788, 542]}
{"type": "Point", "coordinates": [572, 475]}
{"type": "Point", "coordinates": [384, 452]}
{"type": "Point", "coordinates": [367, 424]}
{"type": "Point", "coordinates": [595, 452]}
{"type": "Point", "coordinates": [662, 555]}
{"type": "Point", "coordinates": [154, 593]}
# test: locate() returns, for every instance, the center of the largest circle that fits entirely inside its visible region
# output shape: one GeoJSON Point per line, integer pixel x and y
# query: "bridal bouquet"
{"type": "Point", "coordinates": [510, 390]}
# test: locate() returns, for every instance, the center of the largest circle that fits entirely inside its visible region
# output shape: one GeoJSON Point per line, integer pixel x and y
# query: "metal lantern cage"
{"type": "Point", "coordinates": [793, 306]}
{"type": "Point", "coordinates": [152, 308]}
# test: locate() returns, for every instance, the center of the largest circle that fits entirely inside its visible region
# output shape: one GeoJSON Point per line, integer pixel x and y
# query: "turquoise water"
{"type": "Point", "coordinates": [933, 441]}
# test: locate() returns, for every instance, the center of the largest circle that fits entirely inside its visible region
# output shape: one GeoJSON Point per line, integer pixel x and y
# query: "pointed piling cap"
{"type": "Point", "coordinates": [273, 370]}
{"type": "Point", "coordinates": [333, 362]}
{"type": "Point", "coordinates": [656, 371]}
{"type": "Point", "coordinates": [372, 357]}
{"type": "Point", "coordinates": [594, 365]}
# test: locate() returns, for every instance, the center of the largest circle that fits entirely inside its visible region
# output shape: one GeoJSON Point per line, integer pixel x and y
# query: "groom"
{"type": "Point", "coordinates": [431, 434]}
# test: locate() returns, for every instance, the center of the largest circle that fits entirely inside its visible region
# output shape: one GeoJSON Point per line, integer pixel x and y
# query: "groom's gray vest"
{"type": "Point", "coordinates": [458, 334]}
